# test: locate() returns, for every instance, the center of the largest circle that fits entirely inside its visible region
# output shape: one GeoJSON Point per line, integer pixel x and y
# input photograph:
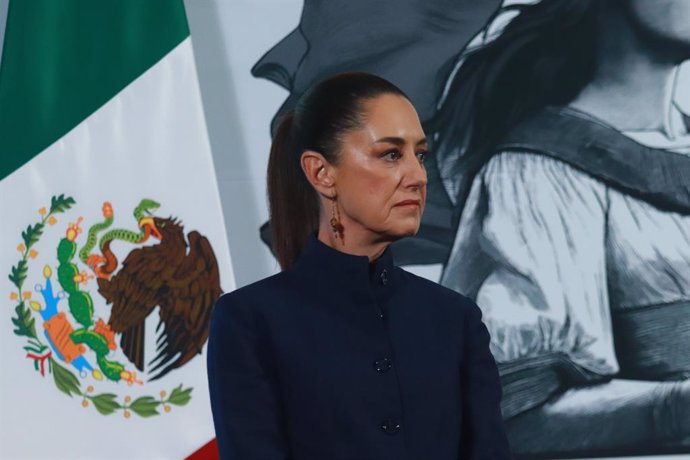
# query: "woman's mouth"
{"type": "Point", "coordinates": [408, 203]}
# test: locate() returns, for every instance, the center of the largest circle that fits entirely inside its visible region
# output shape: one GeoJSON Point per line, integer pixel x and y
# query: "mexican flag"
{"type": "Point", "coordinates": [112, 241]}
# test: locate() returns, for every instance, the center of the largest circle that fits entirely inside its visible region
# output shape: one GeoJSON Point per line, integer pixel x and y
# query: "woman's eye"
{"type": "Point", "coordinates": [392, 154]}
{"type": "Point", "coordinates": [422, 155]}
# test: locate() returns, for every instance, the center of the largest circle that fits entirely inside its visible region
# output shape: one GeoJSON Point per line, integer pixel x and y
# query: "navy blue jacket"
{"type": "Point", "coordinates": [339, 359]}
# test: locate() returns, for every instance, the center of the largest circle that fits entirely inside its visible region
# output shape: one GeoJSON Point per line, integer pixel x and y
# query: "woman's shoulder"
{"type": "Point", "coordinates": [528, 180]}
{"type": "Point", "coordinates": [255, 294]}
{"type": "Point", "coordinates": [431, 290]}
{"type": "Point", "coordinates": [524, 165]}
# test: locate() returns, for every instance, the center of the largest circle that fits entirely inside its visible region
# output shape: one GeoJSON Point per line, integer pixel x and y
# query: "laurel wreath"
{"type": "Point", "coordinates": [65, 380]}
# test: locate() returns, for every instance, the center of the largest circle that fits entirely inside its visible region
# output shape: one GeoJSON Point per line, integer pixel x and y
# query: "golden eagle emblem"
{"type": "Point", "coordinates": [181, 277]}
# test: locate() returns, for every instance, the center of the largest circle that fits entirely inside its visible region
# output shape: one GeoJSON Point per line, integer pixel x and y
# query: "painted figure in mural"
{"type": "Point", "coordinates": [561, 140]}
{"type": "Point", "coordinates": [563, 176]}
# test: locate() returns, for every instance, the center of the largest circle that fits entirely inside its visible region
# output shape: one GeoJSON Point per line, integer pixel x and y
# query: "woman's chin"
{"type": "Point", "coordinates": [407, 229]}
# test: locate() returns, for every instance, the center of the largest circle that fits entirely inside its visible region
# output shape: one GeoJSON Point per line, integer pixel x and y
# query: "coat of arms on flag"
{"type": "Point", "coordinates": [83, 313]}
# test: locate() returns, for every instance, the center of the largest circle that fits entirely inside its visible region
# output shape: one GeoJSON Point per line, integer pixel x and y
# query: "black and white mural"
{"type": "Point", "coordinates": [558, 196]}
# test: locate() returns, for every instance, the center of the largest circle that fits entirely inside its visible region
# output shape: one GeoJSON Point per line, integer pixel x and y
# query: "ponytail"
{"type": "Point", "coordinates": [293, 202]}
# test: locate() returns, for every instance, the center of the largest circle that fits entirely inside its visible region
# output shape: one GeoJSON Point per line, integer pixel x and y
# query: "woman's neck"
{"type": "Point", "coordinates": [353, 242]}
{"type": "Point", "coordinates": [634, 81]}
{"type": "Point", "coordinates": [641, 100]}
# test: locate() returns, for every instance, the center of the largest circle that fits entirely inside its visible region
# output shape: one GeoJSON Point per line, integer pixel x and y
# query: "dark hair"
{"type": "Point", "coordinates": [544, 56]}
{"type": "Point", "coordinates": [322, 115]}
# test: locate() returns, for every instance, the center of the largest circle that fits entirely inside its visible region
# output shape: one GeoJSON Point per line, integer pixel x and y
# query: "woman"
{"type": "Point", "coordinates": [561, 139]}
{"type": "Point", "coordinates": [343, 355]}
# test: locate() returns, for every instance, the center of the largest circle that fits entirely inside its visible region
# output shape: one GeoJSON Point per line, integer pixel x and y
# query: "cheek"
{"type": "Point", "coordinates": [679, 19]}
{"type": "Point", "coordinates": [371, 195]}
{"type": "Point", "coordinates": [378, 195]}
{"type": "Point", "coordinates": [667, 19]}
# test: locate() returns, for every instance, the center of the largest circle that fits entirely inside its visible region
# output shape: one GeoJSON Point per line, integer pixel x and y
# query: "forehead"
{"type": "Point", "coordinates": [391, 115]}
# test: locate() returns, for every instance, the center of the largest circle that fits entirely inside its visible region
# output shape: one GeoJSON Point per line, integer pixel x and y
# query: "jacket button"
{"type": "Point", "coordinates": [383, 276]}
{"type": "Point", "coordinates": [390, 426]}
{"type": "Point", "coordinates": [382, 365]}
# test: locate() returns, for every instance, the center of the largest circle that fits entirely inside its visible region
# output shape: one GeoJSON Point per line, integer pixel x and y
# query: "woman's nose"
{"type": "Point", "coordinates": [416, 171]}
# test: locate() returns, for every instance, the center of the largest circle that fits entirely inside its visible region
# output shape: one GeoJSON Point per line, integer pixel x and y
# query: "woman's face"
{"type": "Point", "coordinates": [381, 166]}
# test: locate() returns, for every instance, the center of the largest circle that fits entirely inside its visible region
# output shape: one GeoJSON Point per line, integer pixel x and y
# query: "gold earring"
{"type": "Point", "coordinates": [336, 225]}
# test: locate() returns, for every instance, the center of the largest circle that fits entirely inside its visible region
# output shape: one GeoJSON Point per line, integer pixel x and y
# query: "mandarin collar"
{"type": "Point", "coordinates": [356, 270]}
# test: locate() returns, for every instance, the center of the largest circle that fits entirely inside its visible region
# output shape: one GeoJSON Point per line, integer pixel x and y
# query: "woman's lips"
{"type": "Point", "coordinates": [409, 203]}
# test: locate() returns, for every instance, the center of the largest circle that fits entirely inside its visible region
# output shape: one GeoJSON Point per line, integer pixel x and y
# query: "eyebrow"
{"type": "Point", "coordinates": [400, 140]}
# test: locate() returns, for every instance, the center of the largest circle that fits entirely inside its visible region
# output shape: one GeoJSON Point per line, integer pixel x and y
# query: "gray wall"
{"type": "Point", "coordinates": [238, 111]}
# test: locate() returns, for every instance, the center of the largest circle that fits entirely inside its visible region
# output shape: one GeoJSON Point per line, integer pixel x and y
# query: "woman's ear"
{"type": "Point", "coordinates": [319, 172]}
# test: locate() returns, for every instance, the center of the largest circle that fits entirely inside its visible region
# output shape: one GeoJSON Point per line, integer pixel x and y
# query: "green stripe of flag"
{"type": "Point", "coordinates": [63, 59]}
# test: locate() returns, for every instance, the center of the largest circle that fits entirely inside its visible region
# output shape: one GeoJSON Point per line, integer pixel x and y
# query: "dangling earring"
{"type": "Point", "coordinates": [335, 221]}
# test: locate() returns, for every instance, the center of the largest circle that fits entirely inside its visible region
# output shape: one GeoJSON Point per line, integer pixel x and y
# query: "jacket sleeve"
{"type": "Point", "coordinates": [484, 436]}
{"type": "Point", "coordinates": [246, 409]}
